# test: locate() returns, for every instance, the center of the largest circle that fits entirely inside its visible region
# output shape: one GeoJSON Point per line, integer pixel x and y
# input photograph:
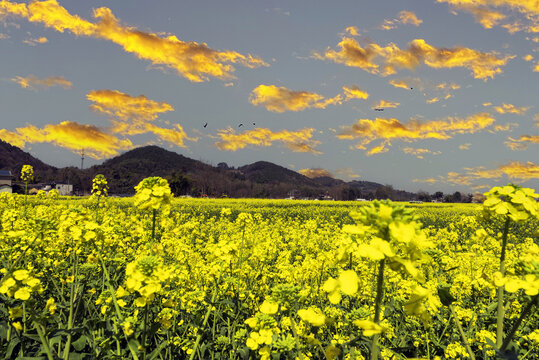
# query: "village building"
{"type": "Point", "coordinates": [6, 181]}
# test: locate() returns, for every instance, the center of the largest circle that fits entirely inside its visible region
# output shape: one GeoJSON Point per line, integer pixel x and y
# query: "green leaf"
{"type": "Point", "coordinates": [155, 353]}
{"type": "Point", "coordinates": [445, 296]}
{"type": "Point", "coordinates": [80, 343]}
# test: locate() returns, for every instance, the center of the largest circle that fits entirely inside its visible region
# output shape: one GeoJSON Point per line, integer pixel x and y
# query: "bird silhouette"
{"type": "Point", "coordinates": [378, 109]}
{"type": "Point", "coordinates": [240, 125]}
{"type": "Point", "coordinates": [206, 124]}
{"type": "Point", "coordinates": [411, 88]}
{"type": "Point", "coordinates": [254, 124]}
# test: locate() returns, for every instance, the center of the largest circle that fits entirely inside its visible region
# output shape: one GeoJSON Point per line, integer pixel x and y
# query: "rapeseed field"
{"type": "Point", "coordinates": [156, 277]}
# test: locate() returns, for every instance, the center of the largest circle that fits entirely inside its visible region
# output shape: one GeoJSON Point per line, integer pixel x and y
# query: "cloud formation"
{"type": "Point", "coordinates": [281, 99]}
{"type": "Point", "coordinates": [514, 170]}
{"type": "Point", "coordinates": [382, 104]}
{"type": "Point", "coordinates": [387, 60]}
{"type": "Point", "coordinates": [35, 41]}
{"type": "Point", "coordinates": [404, 17]}
{"type": "Point", "coordinates": [315, 173]}
{"type": "Point", "coordinates": [522, 142]}
{"type": "Point", "coordinates": [354, 92]}
{"type": "Point", "coordinates": [32, 82]}
{"type": "Point", "coordinates": [132, 115]}
{"type": "Point", "coordinates": [70, 135]}
{"type": "Point", "coordinates": [195, 61]}
{"type": "Point", "coordinates": [390, 129]}
{"type": "Point", "coordinates": [511, 109]}
{"type": "Point", "coordinates": [419, 152]}
{"type": "Point", "coordinates": [297, 141]}
{"type": "Point", "coordinates": [490, 13]}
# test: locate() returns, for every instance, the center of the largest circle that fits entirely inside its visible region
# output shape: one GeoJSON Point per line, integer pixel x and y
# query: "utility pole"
{"type": "Point", "coordinates": [82, 159]}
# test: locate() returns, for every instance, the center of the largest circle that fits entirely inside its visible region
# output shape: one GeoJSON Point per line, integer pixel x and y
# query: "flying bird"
{"type": "Point", "coordinates": [206, 124]}
{"type": "Point", "coordinates": [240, 125]}
{"type": "Point", "coordinates": [254, 124]}
{"type": "Point", "coordinates": [378, 109]}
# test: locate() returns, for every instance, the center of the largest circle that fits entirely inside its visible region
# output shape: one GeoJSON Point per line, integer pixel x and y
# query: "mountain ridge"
{"type": "Point", "coordinates": [193, 177]}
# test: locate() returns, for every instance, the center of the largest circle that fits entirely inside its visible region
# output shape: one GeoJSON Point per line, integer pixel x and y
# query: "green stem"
{"type": "Point", "coordinates": [461, 332]}
{"type": "Point", "coordinates": [501, 310]}
{"type": "Point", "coordinates": [144, 331]}
{"type": "Point", "coordinates": [378, 306]}
{"type": "Point", "coordinates": [153, 229]}
{"type": "Point", "coordinates": [44, 341]}
{"type": "Point", "coordinates": [71, 308]}
{"type": "Point", "coordinates": [514, 329]}
{"type": "Point", "coordinates": [205, 322]}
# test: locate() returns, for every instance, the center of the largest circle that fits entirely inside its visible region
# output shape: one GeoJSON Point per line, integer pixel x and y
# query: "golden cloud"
{"type": "Point", "coordinates": [352, 31]}
{"type": "Point", "coordinates": [354, 92]}
{"type": "Point", "coordinates": [281, 99]}
{"type": "Point", "coordinates": [465, 146]}
{"type": "Point", "coordinates": [298, 141]}
{"type": "Point", "coordinates": [390, 129]}
{"type": "Point", "coordinates": [386, 104]}
{"type": "Point", "coordinates": [433, 100]}
{"type": "Point", "coordinates": [513, 170]}
{"type": "Point", "coordinates": [133, 111]}
{"type": "Point", "coordinates": [400, 83]}
{"type": "Point", "coordinates": [528, 57]}
{"type": "Point", "coordinates": [419, 153]}
{"type": "Point", "coordinates": [194, 61]}
{"type": "Point", "coordinates": [70, 135]}
{"type": "Point", "coordinates": [386, 60]}
{"type": "Point", "coordinates": [132, 115]}
{"type": "Point", "coordinates": [347, 172]}
{"type": "Point", "coordinates": [404, 17]}
{"type": "Point", "coordinates": [315, 173]}
{"type": "Point", "coordinates": [485, 12]}
{"type": "Point", "coordinates": [511, 109]}
{"type": "Point", "coordinates": [33, 82]}
{"type": "Point", "coordinates": [522, 142]}
{"type": "Point", "coordinates": [427, 181]}
{"type": "Point", "coordinates": [35, 41]}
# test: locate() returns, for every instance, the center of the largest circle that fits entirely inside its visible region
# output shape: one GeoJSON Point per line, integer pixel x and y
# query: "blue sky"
{"type": "Point", "coordinates": [431, 95]}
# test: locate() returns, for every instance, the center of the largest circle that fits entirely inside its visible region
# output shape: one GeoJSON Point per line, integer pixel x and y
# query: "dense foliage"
{"type": "Point", "coordinates": [155, 277]}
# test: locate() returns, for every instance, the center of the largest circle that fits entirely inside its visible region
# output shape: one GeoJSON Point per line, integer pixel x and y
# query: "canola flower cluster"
{"type": "Point", "coordinates": [163, 278]}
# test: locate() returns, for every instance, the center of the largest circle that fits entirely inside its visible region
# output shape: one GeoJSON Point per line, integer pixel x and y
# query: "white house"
{"type": "Point", "coordinates": [63, 189]}
{"type": "Point", "coordinates": [5, 181]}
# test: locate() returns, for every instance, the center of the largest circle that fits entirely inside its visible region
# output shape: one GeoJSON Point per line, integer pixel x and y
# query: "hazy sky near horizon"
{"type": "Point", "coordinates": [431, 95]}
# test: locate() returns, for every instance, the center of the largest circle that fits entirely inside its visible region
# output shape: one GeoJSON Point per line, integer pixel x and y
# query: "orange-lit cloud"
{"type": "Point", "coordinates": [486, 104]}
{"type": "Point", "coordinates": [427, 181]}
{"type": "Point", "coordinates": [70, 135]}
{"type": "Point", "coordinates": [133, 111]}
{"type": "Point", "coordinates": [354, 92]}
{"type": "Point", "coordinates": [132, 115]}
{"type": "Point", "coordinates": [386, 60]}
{"type": "Point", "coordinates": [347, 172]}
{"type": "Point", "coordinates": [195, 61]}
{"type": "Point", "coordinates": [527, 57]}
{"type": "Point", "coordinates": [465, 146]}
{"type": "Point", "coordinates": [391, 129]}
{"type": "Point", "coordinates": [522, 142]}
{"type": "Point", "coordinates": [315, 173]}
{"type": "Point", "coordinates": [352, 31]}
{"type": "Point", "coordinates": [298, 141]}
{"type": "Point", "coordinates": [419, 153]}
{"type": "Point", "coordinates": [386, 104]}
{"type": "Point", "coordinates": [33, 82]}
{"type": "Point", "coordinates": [513, 170]}
{"type": "Point", "coordinates": [432, 100]}
{"type": "Point", "coordinates": [281, 99]}
{"type": "Point", "coordinates": [510, 109]}
{"type": "Point", "coordinates": [35, 41]}
{"type": "Point", "coordinates": [404, 17]}
{"type": "Point", "coordinates": [489, 12]}
{"type": "Point", "coordinates": [401, 83]}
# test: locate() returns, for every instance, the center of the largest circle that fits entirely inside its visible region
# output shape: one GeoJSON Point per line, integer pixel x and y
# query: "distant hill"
{"type": "Point", "coordinates": [12, 158]}
{"type": "Point", "coordinates": [193, 177]}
